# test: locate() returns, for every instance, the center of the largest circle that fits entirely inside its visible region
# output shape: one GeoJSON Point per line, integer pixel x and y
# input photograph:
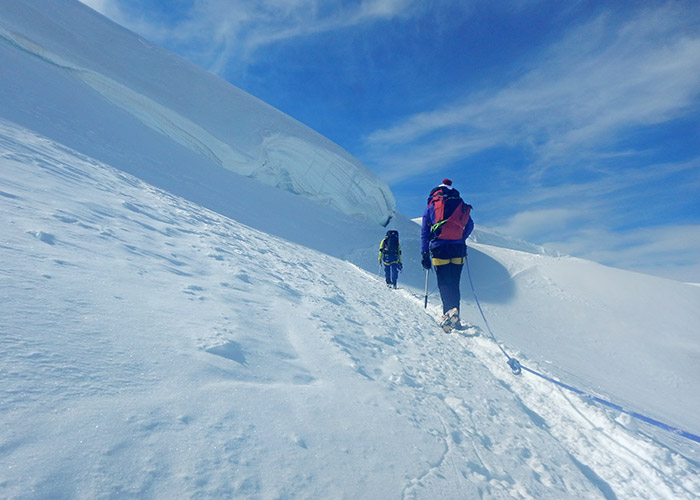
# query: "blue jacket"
{"type": "Point", "coordinates": [429, 219]}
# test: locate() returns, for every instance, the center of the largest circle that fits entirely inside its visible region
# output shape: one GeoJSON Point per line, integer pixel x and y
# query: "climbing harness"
{"type": "Point", "coordinates": [518, 368]}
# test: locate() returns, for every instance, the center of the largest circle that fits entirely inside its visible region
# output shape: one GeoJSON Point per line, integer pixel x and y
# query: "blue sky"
{"type": "Point", "coordinates": [571, 124]}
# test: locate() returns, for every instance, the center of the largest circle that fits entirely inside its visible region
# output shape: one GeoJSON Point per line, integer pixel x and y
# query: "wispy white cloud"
{"type": "Point", "coordinates": [613, 190]}
{"type": "Point", "coordinates": [602, 198]}
{"type": "Point", "coordinates": [583, 229]}
{"type": "Point", "coordinates": [102, 6]}
{"type": "Point", "coordinates": [667, 251]}
{"type": "Point", "coordinates": [432, 154]}
{"type": "Point", "coordinates": [136, 21]}
{"type": "Point", "coordinates": [621, 222]}
{"type": "Point", "coordinates": [531, 225]}
{"type": "Point", "coordinates": [277, 21]}
{"type": "Point", "coordinates": [219, 33]}
{"type": "Point", "coordinates": [601, 80]}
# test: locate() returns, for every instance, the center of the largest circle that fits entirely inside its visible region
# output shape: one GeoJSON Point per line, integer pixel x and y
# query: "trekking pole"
{"type": "Point", "coordinates": [427, 272]}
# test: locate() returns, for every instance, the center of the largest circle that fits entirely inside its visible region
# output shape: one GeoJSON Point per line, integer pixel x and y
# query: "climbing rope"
{"type": "Point", "coordinates": [512, 362]}
{"type": "Point", "coordinates": [517, 369]}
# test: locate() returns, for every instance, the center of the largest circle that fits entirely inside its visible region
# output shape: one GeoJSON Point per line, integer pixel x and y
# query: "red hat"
{"type": "Point", "coordinates": [447, 182]}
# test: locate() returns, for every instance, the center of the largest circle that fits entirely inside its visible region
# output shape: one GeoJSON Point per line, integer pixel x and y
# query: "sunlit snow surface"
{"type": "Point", "coordinates": [171, 329]}
{"type": "Point", "coordinates": [155, 349]}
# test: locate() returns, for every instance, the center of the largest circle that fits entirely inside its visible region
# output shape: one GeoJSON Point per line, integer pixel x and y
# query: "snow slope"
{"type": "Point", "coordinates": [46, 43]}
{"type": "Point", "coordinates": [160, 339]}
{"type": "Point", "coordinates": [152, 348]}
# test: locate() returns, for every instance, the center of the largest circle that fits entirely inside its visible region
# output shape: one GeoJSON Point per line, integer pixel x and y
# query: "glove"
{"type": "Point", "coordinates": [426, 260]}
{"type": "Point", "coordinates": [400, 266]}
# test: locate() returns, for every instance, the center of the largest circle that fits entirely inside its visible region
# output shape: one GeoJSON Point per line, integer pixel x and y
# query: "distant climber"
{"type": "Point", "coordinates": [390, 257]}
{"type": "Point", "coordinates": [446, 225]}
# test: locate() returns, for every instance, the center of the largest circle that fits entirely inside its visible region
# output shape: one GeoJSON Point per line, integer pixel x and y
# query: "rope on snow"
{"type": "Point", "coordinates": [517, 369]}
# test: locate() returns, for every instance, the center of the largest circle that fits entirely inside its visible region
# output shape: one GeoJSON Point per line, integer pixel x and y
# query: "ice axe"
{"type": "Point", "coordinates": [427, 272]}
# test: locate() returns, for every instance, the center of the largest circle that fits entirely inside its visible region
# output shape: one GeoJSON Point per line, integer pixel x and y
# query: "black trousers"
{"type": "Point", "coordinates": [448, 260]}
{"type": "Point", "coordinates": [448, 276]}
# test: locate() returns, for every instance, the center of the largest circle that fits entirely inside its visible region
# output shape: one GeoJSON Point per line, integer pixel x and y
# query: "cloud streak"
{"type": "Point", "coordinates": [622, 222]}
{"type": "Point", "coordinates": [667, 251]}
{"type": "Point", "coordinates": [600, 81]}
{"type": "Point", "coordinates": [220, 33]}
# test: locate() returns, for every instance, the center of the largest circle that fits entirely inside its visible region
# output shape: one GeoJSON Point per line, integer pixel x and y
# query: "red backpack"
{"type": "Point", "coordinates": [451, 215]}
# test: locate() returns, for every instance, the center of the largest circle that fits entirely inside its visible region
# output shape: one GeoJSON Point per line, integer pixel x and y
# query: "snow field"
{"type": "Point", "coordinates": [152, 349]}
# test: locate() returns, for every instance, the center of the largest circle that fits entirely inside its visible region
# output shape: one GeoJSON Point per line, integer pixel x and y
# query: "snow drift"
{"type": "Point", "coordinates": [188, 105]}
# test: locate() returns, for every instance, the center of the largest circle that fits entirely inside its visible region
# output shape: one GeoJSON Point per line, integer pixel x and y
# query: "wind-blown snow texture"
{"type": "Point", "coordinates": [154, 348]}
